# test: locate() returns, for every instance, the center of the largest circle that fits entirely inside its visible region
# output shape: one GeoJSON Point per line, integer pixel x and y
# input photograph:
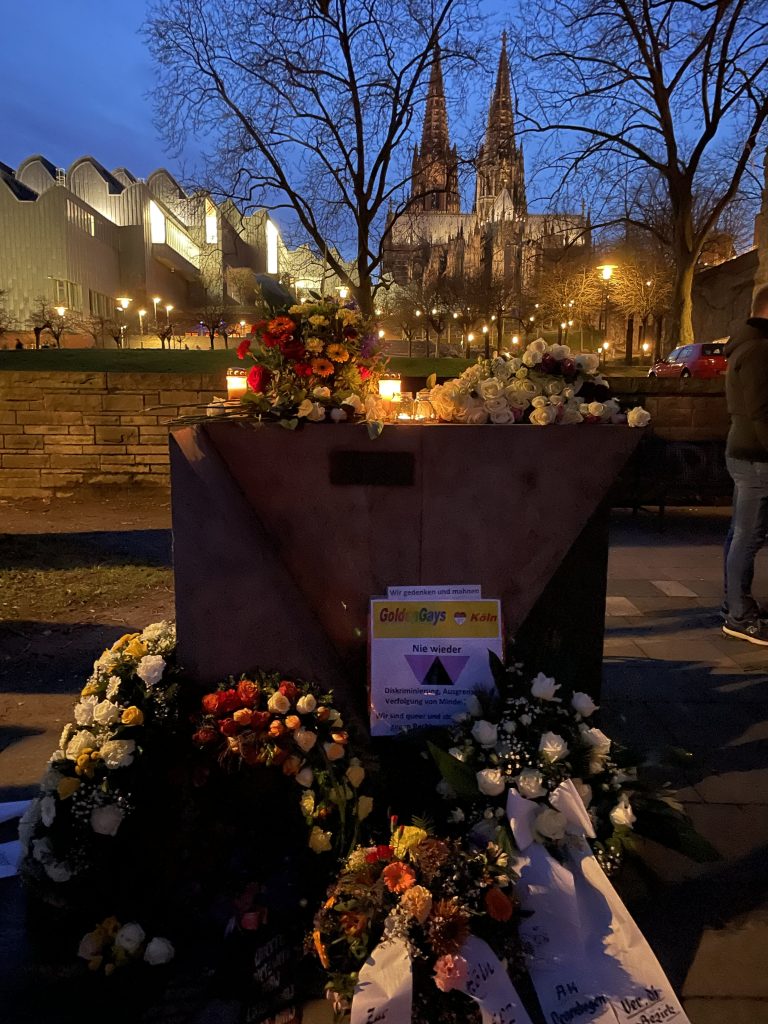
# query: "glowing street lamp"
{"type": "Point", "coordinates": [381, 333]}
{"type": "Point", "coordinates": [142, 314]}
{"type": "Point", "coordinates": [515, 340]}
{"type": "Point", "coordinates": [168, 309]}
{"type": "Point", "coordinates": [61, 310]}
{"type": "Point", "coordinates": [343, 293]}
{"type": "Point", "coordinates": [156, 302]}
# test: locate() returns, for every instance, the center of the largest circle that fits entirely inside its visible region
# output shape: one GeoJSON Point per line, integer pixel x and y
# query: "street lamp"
{"type": "Point", "coordinates": [606, 273]}
{"type": "Point", "coordinates": [61, 310]}
{"type": "Point", "coordinates": [155, 303]}
{"type": "Point", "coordinates": [168, 309]}
{"type": "Point", "coordinates": [242, 326]}
{"type": "Point", "coordinates": [343, 293]}
{"type": "Point", "coordinates": [142, 314]}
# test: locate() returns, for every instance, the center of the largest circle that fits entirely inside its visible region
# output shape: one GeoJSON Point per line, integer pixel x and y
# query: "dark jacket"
{"type": "Point", "coordinates": [746, 388]}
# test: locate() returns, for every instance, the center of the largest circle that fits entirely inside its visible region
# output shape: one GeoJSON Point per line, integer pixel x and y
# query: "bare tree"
{"type": "Point", "coordinates": [94, 326]}
{"type": "Point", "coordinates": [5, 316]}
{"type": "Point", "coordinates": [214, 316]}
{"type": "Point", "coordinates": [40, 318]}
{"type": "Point", "coordinates": [568, 289]}
{"type": "Point", "coordinates": [309, 105]}
{"type": "Point", "coordinates": [671, 94]}
{"type": "Point", "coordinates": [118, 330]}
{"type": "Point", "coordinates": [242, 286]}
{"type": "Point", "coordinates": [642, 288]}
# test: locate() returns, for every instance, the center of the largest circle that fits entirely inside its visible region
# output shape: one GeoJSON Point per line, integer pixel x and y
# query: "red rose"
{"type": "Point", "coordinates": [205, 735]}
{"type": "Point", "coordinates": [228, 727]}
{"type": "Point", "coordinates": [210, 703]}
{"type": "Point", "coordinates": [243, 348]}
{"type": "Point", "coordinates": [289, 690]}
{"type": "Point", "coordinates": [259, 720]}
{"type": "Point", "coordinates": [379, 853]}
{"type": "Point", "coordinates": [248, 692]}
{"type": "Point", "coordinates": [258, 378]}
{"type": "Point", "coordinates": [228, 701]}
{"type": "Point", "coordinates": [292, 348]}
{"type": "Point", "coordinates": [302, 369]}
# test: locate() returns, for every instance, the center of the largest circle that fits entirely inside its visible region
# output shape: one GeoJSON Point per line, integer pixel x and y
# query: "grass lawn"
{"type": "Point", "coordinates": [97, 360]}
{"type": "Point", "coordinates": [50, 577]}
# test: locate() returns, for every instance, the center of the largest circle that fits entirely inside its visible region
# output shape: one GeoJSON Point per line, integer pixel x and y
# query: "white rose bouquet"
{"type": "Point", "coordinates": [544, 385]}
{"type": "Point", "coordinates": [89, 788]}
{"type": "Point", "coordinates": [529, 737]}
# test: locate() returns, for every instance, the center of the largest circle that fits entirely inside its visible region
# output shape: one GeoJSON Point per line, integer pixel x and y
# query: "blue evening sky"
{"type": "Point", "coordinates": [77, 76]}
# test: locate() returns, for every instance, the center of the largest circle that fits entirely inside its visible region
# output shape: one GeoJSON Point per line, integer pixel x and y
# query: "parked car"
{"type": "Point", "coordinates": [703, 360]}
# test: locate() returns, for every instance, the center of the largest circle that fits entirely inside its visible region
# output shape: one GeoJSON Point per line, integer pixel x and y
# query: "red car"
{"type": "Point", "coordinates": [704, 360]}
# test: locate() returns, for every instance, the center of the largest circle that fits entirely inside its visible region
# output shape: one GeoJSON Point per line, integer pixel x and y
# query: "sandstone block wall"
{"type": "Point", "coordinates": [59, 431]}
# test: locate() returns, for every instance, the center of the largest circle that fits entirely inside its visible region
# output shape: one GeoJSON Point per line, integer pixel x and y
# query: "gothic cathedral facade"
{"type": "Point", "coordinates": [499, 242]}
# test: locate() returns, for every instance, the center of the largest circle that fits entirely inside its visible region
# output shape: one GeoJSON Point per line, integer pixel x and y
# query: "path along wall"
{"type": "Point", "coordinates": [59, 431]}
{"type": "Point", "coordinates": [62, 430]}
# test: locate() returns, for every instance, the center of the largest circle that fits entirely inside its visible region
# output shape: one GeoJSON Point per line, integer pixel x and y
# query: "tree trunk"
{"type": "Point", "coordinates": [630, 340]}
{"type": "Point", "coordinates": [679, 329]}
{"type": "Point", "coordinates": [38, 331]}
{"type": "Point", "coordinates": [659, 334]}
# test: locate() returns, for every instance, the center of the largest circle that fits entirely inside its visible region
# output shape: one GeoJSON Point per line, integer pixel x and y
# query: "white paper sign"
{"type": "Point", "coordinates": [489, 985]}
{"type": "Point", "coordinates": [384, 990]}
{"type": "Point", "coordinates": [448, 592]}
{"type": "Point", "coordinates": [590, 962]}
{"type": "Point", "coordinates": [427, 659]}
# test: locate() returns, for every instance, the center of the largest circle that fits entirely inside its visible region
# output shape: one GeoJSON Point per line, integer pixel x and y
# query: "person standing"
{"type": "Point", "coordinates": [746, 387]}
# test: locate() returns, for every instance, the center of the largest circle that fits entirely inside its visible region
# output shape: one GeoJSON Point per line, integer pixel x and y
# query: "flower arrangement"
{"type": "Point", "coordinates": [528, 739]}
{"type": "Point", "coordinates": [111, 946]}
{"type": "Point", "coordinates": [88, 790]}
{"type": "Point", "coordinates": [264, 720]}
{"type": "Point", "coordinates": [428, 892]}
{"type": "Point", "coordinates": [548, 384]}
{"type": "Point", "coordinates": [316, 361]}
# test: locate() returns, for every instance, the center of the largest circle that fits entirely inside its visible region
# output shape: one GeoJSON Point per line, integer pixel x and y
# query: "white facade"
{"type": "Point", "coordinates": [83, 237]}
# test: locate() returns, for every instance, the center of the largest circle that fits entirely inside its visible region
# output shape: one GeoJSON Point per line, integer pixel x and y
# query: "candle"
{"type": "Point", "coordinates": [389, 387]}
{"type": "Point", "coordinates": [236, 383]}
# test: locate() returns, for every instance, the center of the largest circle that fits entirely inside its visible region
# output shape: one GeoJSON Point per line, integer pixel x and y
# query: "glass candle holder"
{"type": "Point", "coordinates": [423, 410]}
{"type": "Point", "coordinates": [237, 384]}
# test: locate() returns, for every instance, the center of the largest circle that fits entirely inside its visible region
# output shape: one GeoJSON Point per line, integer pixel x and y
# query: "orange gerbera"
{"type": "Point", "coordinates": [320, 949]}
{"type": "Point", "coordinates": [322, 367]}
{"type": "Point", "coordinates": [338, 353]}
{"type": "Point", "coordinates": [281, 325]}
{"type": "Point", "coordinates": [398, 877]}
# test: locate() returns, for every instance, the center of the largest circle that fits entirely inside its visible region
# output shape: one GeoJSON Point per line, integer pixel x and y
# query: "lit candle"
{"type": "Point", "coordinates": [236, 383]}
{"type": "Point", "coordinates": [389, 387]}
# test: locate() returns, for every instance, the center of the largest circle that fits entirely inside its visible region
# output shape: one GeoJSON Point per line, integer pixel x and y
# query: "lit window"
{"type": "Point", "coordinates": [156, 222]}
{"type": "Point", "coordinates": [211, 223]}
{"type": "Point", "coordinates": [272, 236]}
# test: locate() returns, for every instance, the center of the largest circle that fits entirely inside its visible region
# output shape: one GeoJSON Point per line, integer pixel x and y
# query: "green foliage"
{"type": "Point", "coordinates": [657, 820]}
{"type": "Point", "coordinates": [457, 774]}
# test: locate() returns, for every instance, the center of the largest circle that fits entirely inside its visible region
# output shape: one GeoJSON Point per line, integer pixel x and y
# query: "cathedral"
{"type": "Point", "coordinates": [499, 243]}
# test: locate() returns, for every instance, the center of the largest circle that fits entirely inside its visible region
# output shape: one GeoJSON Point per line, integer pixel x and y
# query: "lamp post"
{"type": "Point", "coordinates": [122, 305]}
{"type": "Point", "coordinates": [606, 273]}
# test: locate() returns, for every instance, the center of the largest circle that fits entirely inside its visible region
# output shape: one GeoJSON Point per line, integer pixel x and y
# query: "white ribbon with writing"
{"type": "Point", "coordinates": [489, 985]}
{"type": "Point", "coordinates": [384, 990]}
{"type": "Point", "coordinates": [590, 963]}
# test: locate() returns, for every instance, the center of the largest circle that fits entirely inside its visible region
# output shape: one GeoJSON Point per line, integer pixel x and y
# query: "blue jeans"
{"type": "Point", "coordinates": [747, 534]}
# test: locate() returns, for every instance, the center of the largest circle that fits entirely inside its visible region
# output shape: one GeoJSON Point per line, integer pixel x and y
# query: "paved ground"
{"type": "Point", "coordinates": [671, 680]}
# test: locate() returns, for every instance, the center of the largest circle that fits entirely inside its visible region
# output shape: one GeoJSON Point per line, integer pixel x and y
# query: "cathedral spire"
{"type": "Point", "coordinates": [435, 134]}
{"type": "Point", "coordinates": [501, 116]}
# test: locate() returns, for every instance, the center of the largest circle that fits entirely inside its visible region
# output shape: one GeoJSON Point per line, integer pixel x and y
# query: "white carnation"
{"type": "Point", "coordinates": [118, 753]}
{"type": "Point", "coordinates": [150, 669]}
{"type": "Point", "coordinates": [84, 710]}
{"type": "Point", "coordinates": [82, 740]}
{"type": "Point", "coordinates": [130, 938]}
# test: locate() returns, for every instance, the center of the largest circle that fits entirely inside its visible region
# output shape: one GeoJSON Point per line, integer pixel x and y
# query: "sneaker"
{"type": "Point", "coordinates": [755, 631]}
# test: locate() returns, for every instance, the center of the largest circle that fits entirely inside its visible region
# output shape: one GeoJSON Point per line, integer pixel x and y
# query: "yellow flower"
{"type": "Point", "coordinates": [318, 321]}
{"type": "Point", "coordinates": [124, 640]}
{"type": "Point", "coordinates": [417, 902]}
{"type": "Point", "coordinates": [307, 802]}
{"type": "Point", "coordinates": [67, 787]}
{"type": "Point", "coordinates": [338, 353]}
{"type": "Point", "coordinates": [132, 716]}
{"type": "Point", "coordinates": [90, 690]}
{"type": "Point", "coordinates": [298, 309]}
{"type": "Point", "coordinates": [319, 841]}
{"type": "Point", "coordinates": [135, 649]}
{"type": "Point", "coordinates": [407, 838]}
{"type": "Point", "coordinates": [314, 345]}
{"type": "Point", "coordinates": [349, 316]}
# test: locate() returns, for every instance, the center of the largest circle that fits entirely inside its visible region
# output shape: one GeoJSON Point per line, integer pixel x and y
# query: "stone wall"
{"type": "Point", "coordinates": [681, 410]}
{"type": "Point", "coordinates": [59, 431]}
{"type": "Point", "coordinates": [64, 430]}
